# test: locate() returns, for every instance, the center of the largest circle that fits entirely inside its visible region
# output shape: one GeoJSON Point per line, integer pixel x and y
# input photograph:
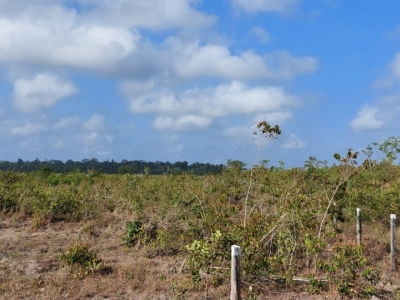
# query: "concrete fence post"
{"type": "Point", "coordinates": [359, 227]}
{"type": "Point", "coordinates": [235, 272]}
{"type": "Point", "coordinates": [393, 242]}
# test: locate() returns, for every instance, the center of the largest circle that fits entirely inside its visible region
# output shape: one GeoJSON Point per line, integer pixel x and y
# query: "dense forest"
{"type": "Point", "coordinates": [111, 167]}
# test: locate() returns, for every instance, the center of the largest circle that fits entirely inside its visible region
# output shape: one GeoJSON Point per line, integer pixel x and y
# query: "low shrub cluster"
{"type": "Point", "coordinates": [289, 223]}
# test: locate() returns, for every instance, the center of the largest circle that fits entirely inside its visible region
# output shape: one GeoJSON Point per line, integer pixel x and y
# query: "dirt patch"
{"type": "Point", "coordinates": [30, 266]}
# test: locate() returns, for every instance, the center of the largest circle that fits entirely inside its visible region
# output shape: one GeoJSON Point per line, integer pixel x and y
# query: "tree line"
{"type": "Point", "coordinates": [111, 167]}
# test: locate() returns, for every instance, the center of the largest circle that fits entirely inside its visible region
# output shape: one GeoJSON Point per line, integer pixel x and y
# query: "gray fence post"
{"type": "Point", "coordinates": [235, 272]}
{"type": "Point", "coordinates": [393, 242]}
{"type": "Point", "coordinates": [359, 228]}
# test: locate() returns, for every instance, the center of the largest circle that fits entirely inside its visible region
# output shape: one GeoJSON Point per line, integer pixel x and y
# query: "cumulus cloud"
{"type": "Point", "coordinates": [94, 138]}
{"type": "Point", "coordinates": [183, 123]}
{"type": "Point", "coordinates": [105, 37]}
{"type": "Point", "coordinates": [150, 14]}
{"type": "Point", "coordinates": [293, 142]}
{"type": "Point", "coordinates": [66, 122]}
{"type": "Point", "coordinates": [395, 66]}
{"type": "Point", "coordinates": [282, 65]}
{"type": "Point", "coordinates": [262, 35]}
{"type": "Point", "coordinates": [177, 148]}
{"type": "Point", "coordinates": [60, 145]}
{"type": "Point", "coordinates": [31, 145]}
{"type": "Point", "coordinates": [383, 83]}
{"type": "Point", "coordinates": [235, 98]}
{"type": "Point", "coordinates": [392, 76]}
{"type": "Point", "coordinates": [43, 91]}
{"type": "Point", "coordinates": [90, 139]}
{"type": "Point", "coordinates": [239, 132]}
{"type": "Point", "coordinates": [254, 6]}
{"type": "Point", "coordinates": [28, 128]}
{"type": "Point", "coordinates": [194, 60]}
{"type": "Point", "coordinates": [93, 142]}
{"type": "Point", "coordinates": [394, 33]}
{"type": "Point", "coordinates": [94, 123]}
{"type": "Point", "coordinates": [276, 117]}
{"type": "Point", "coordinates": [171, 137]}
{"type": "Point", "coordinates": [54, 35]}
{"type": "Point", "coordinates": [194, 109]}
{"type": "Point", "coordinates": [368, 118]}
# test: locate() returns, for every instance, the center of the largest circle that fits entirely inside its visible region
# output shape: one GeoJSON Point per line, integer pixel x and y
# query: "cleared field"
{"type": "Point", "coordinates": [93, 236]}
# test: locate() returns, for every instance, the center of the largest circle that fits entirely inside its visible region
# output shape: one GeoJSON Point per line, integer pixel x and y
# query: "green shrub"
{"type": "Point", "coordinates": [137, 233]}
{"type": "Point", "coordinates": [81, 260]}
{"type": "Point", "coordinates": [133, 232]}
{"type": "Point", "coordinates": [349, 271]}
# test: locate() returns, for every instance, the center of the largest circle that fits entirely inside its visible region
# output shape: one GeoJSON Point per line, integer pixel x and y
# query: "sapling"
{"type": "Point", "coordinates": [268, 132]}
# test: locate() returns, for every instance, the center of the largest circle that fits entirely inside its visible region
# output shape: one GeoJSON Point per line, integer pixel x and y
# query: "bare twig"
{"type": "Point", "coordinates": [182, 265]}
{"type": "Point", "coordinates": [324, 279]}
{"type": "Point", "coordinates": [276, 225]}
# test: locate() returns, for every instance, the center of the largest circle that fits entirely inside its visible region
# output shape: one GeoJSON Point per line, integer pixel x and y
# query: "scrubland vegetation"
{"type": "Point", "coordinates": [89, 235]}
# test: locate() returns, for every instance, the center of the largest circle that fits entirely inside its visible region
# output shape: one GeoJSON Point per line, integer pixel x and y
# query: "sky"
{"type": "Point", "coordinates": [188, 80]}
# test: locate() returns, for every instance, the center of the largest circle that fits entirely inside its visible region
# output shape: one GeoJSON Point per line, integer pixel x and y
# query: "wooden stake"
{"type": "Point", "coordinates": [235, 272]}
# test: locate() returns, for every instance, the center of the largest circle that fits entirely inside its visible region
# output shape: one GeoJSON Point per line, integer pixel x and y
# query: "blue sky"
{"type": "Point", "coordinates": [188, 80]}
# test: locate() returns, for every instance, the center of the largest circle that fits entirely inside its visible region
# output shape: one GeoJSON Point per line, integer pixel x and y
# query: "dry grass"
{"type": "Point", "coordinates": [30, 264]}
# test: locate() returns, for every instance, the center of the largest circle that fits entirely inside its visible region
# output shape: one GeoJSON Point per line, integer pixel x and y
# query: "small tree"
{"type": "Point", "coordinates": [265, 131]}
{"type": "Point", "coordinates": [389, 148]}
{"type": "Point", "coordinates": [236, 166]}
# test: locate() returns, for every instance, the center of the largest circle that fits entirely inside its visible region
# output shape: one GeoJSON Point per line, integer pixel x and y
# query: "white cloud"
{"type": "Point", "coordinates": [171, 137]}
{"type": "Point", "coordinates": [61, 144]}
{"type": "Point", "coordinates": [383, 83]}
{"type": "Point", "coordinates": [282, 65]}
{"type": "Point", "coordinates": [131, 86]}
{"type": "Point", "coordinates": [31, 145]}
{"type": "Point", "coordinates": [28, 128]}
{"type": "Point", "coordinates": [150, 14]}
{"type": "Point", "coordinates": [277, 117]}
{"type": "Point", "coordinates": [262, 35]}
{"type": "Point", "coordinates": [94, 123]}
{"type": "Point", "coordinates": [43, 91]}
{"type": "Point", "coordinates": [368, 118]}
{"type": "Point", "coordinates": [239, 132]}
{"type": "Point", "coordinates": [104, 37]}
{"type": "Point", "coordinates": [88, 142]}
{"type": "Point", "coordinates": [293, 143]}
{"type": "Point", "coordinates": [104, 153]}
{"type": "Point", "coordinates": [90, 138]}
{"type": "Point", "coordinates": [196, 109]}
{"type": "Point", "coordinates": [395, 66]}
{"type": "Point", "coordinates": [66, 122]}
{"type": "Point", "coordinates": [254, 6]}
{"type": "Point", "coordinates": [94, 141]}
{"type": "Point", "coordinates": [94, 138]}
{"type": "Point", "coordinates": [392, 76]}
{"type": "Point", "coordinates": [195, 60]}
{"type": "Point", "coordinates": [177, 148]}
{"type": "Point", "coordinates": [53, 35]}
{"type": "Point", "coordinates": [226, 99]}
{"type": "Point", "coordinates": [394, 33]}
{"type": "Point", "coordinates": [183, 123]}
